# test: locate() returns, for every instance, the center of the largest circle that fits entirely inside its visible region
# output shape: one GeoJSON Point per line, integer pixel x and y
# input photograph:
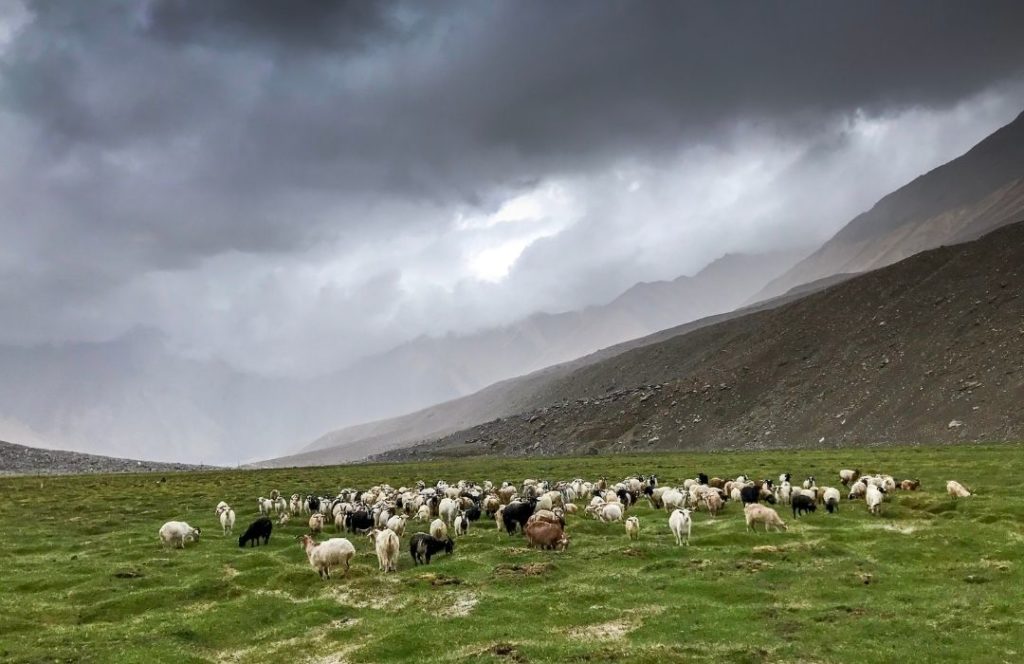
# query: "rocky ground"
{"type": "Point", "coordinates": [929, 350]}
{"type": "Point", "coordinates": [21, 460]}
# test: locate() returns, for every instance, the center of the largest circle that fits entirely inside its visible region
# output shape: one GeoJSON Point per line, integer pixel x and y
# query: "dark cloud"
{"type": "Point", "coordinates": [163, 136]}
{"type": "Point", "coordinates": [286, 25]}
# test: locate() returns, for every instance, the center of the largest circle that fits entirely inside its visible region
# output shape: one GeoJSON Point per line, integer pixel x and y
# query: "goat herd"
{"type": "Point", "coordinates": [537, 508]}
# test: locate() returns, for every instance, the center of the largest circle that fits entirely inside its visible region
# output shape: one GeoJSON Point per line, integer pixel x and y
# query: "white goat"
{"type": "Point", "coordinates": [176, 533]}
{"type": "Point", "coordinates": [386, 544]}
{"type": "Point", "coordinates": [438, 529]}
{"type": "Point", "coordinates": [957, 490]}
{"type": "Point", "coordinates": [680, 523]}
{"type": "Point", "coordinates": [325, 555]}
{"type": "Point", "coordinates": [633, 528]}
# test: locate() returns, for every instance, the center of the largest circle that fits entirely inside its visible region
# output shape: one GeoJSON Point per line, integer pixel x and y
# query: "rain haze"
{"type": "Point", "coordinates": [229, 227]}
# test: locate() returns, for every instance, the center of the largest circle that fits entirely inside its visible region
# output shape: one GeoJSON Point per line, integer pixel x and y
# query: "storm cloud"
{"type": "Point", "coordinates": [290, 186]}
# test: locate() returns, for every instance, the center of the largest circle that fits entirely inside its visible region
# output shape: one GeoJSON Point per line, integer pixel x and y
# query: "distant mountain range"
{"type": "Point", "coordinates": [961, 200]}
{"type": "Point", "coordinates": [132, 397]}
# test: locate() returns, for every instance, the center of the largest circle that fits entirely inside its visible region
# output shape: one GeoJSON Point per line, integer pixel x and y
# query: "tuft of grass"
{"type": "Point", "coordinates": [84, 578]}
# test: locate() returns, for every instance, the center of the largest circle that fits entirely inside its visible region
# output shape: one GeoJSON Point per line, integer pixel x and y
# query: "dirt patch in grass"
{"type": "Point", "coordinates": [803, 545]}
{"type": "Point", "coordinates": [128, 574]}
{"type": "Point", "coordinates": [1001, 565]}
{"type": "Point", "coordinates": [359, 600]}
{"type": "Point", "coordinates": [440, 579]}
{"type": "Point", "coordinates": [606, 631]}
{"type": "Point", "coordinates": [528, 569]}
{"type": "Point", "coordinates": [507, 651]}
{"type": "Point", "coordinates": [634, 553]}
{"type": "Point", "coordinates": [461, 606]}
{"type": "Point", "coordinates": [893, 527]}
{"type": "Point", "coordinates": [753, 565]}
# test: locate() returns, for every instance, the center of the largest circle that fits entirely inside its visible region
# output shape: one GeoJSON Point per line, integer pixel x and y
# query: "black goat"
{"type": "Point", "coordinates": [516, 514]}
{"type": "Point", "coordinates": [473, 513]}
{"type": "Point", "coordinates": [358, 521]}
{"type": "Point", "coordinates": [422, 546]}
{"type": "Point", "coordinates": [802, 503]}
{"type": "Point", "coordinates": [314, 503]}
{"type": "Point", "coordinates": [261, 527]}
{"type": "Point", "coordinates": [752, 494]}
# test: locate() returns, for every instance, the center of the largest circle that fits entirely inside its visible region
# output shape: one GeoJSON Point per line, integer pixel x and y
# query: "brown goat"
{"type": "Point", "coordinates": [546, 535]}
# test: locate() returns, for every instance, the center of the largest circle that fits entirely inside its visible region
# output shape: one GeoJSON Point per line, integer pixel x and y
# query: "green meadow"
{"type": "Point", "coordinates": [84, 578]}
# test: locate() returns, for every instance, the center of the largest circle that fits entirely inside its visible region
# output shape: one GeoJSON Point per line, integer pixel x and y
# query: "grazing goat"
{"type": "Point", "coordinates": [546, 535]}
{"type": "Point", "coordinates": [396, 524]}
{"type": "Point", "coordinates": [847, 476]}
{"type": "Point", "coordinates": [358, 521]}
{"type": "Point", "coordinates": [713, 501]}
{"type": "Point", "coordinates": [260, 528]}
{"type": "Point", "coordinates": [673, 499]}
{"type": "Point", "coordinates": [874, 497]}
{"type": "Point", "coordinates": [325, 555]}
{"type": "Point", "coordinates": [517, 514]}
{"type": "Point", "coordinates": [176, 533]}
{"type": "Point", "coordinates": [753, 494]}
{"type": "Point", "coordinates": [611, 512]}
{"type": "Point", "coordinates": [858, 489]}
{"type": "Point", "coordinates": [957, 490]}
{"type": "Point", "coordinates": [755, 513]}
{"type": "Point", "coordinates": [831, 497]}
{"type": "Point", "coordinates": [422, 546]}
{"type": "Point", "coordinates": [802, 503]}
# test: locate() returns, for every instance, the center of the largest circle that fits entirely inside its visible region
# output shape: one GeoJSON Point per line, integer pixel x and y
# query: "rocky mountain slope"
{"type": "Point", "coordinates": [22, 460]}
{"type": "Point", "coordinates": [959, 201]}
{"type": "Point", "coordinates": [930, 349]}
{"type": "Point", "coordinates": [499, 400]}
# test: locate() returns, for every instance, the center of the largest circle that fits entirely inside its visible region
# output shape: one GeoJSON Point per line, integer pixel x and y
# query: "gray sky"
{"type": "Point", "coordinates": [289, 186]}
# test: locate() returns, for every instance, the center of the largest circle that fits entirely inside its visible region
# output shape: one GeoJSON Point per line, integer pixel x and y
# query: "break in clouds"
{"type": "Point", "coordinates": [289, 187]}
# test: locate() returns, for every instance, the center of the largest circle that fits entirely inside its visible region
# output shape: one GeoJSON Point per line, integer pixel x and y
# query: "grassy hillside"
{"type": "Point", "coordinates": [85, 579]}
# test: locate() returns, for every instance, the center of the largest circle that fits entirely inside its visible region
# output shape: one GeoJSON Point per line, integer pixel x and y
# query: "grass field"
{"type": "Point", "coordinates": [84, 578]}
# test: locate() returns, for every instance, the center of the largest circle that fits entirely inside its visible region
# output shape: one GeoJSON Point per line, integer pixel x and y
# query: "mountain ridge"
{"type": "Point", "coordinates": [844, 365]}
{"type": "Point", "coordinates": [960, 200]}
